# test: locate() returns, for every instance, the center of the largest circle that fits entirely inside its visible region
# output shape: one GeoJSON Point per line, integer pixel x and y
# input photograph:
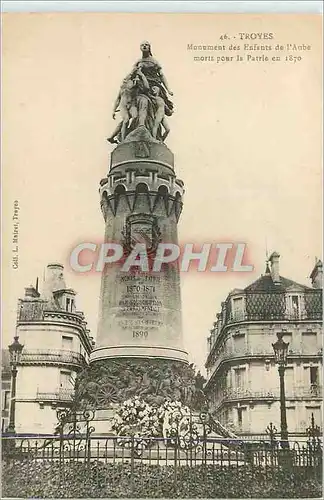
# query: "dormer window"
{"type": "Point", "coordinates": [237, 308]}
{"type": "Point", "coordinates": [69, 304]}
{"type": "Point", "coordinates": [295, 305]}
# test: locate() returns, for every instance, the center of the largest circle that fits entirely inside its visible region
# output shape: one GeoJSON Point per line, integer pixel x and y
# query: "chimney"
{"type": "Point", "coordinates": [267, 271]}
{"type": "Point", "coordinates": [274, 262]}
{"type": "Point", "coordinates": [31, 292]}
{"type": "Point", "coordinates": [317, 274]}
{"type": "Point", "coordinates": [54, 280]}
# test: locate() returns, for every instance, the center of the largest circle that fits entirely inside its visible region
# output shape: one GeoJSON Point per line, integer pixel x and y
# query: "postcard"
{"type": "Point", "coordinates": [162, 267]}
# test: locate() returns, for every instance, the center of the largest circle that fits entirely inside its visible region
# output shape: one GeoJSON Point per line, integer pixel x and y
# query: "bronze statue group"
{"type": "Point", "coordinates": [143, 100]}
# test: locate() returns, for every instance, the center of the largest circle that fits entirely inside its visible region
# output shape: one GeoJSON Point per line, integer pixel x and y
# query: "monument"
{"type": "Point", "coordinates": [139, 347]}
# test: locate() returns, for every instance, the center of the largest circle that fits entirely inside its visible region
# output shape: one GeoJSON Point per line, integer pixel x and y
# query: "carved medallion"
{"type": "Point", "coordinates": [141, 228]}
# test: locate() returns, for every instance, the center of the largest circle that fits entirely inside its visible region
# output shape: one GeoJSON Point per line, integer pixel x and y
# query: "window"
{"type": "Point", "coordinates": [67, 343]}
{"type": "Point", "coordinates": [237, 304]}
{"type": "Point", "coordinates": [311, 380]}
{"type": "Point", "coordinates": [6, 400]}
{"type": "Point", "coordinates": [239, 343]}
{"type": "Point", "coordinates": [292, 422]}
{"type": "Point", "coordinates": [309, 343]}
{"type": "Point", "coordinates": [288, 338]}
{"type": "Point", "coordinates": [241, 417]}
{"type": "Point", "coordinates": [289, 380]}
{"type": "Point", "coordinates": [238, 308]}
{"type": "Point", "coordinates": [313, 377]}
{"type": "Point", "coordinates": [239, 377]}
{"type": "Point", "coordinates": [65, 380]}
{"type": "Point", "coordinates": [222, 382]}
{"type": "Point", "coordinates": [69, 304]}
{"type": "Point", "coordinates": [295, 305]}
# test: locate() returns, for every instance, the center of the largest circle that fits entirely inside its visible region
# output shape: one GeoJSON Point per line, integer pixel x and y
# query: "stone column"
{"type": "Point", "coordinates": [141, 200]}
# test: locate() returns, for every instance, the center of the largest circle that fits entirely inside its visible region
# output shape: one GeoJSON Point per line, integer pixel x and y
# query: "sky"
{"type": "Point", "coordinates": [246, 138]}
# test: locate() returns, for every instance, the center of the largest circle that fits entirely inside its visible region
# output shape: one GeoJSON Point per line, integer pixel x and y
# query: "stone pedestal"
{"type": "Point", "coordinates": [141, 201]}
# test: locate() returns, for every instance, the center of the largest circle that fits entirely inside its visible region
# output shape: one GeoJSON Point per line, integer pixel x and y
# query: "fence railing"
{"type": "Point", "coordinates": [313, 391]}
{"type": "Point", "coordinates": [240, 316]}
{"type": "Point", "coordinates": [76, 463]}
{"type": "Point", "coordinates": [61, 395]}
{"type": "Point", "coordinates": [221, 452]}
{"type": "Point", "coordinates": [60, 356]}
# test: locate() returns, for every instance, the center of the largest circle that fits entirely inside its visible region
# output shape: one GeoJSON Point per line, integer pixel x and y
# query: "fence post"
{"type": "Point", "coordinates": [61, 452]}
{"type": "Point", "coordinates": [88, 447]}
{"type": "Point", "coordinates": [191, 438]}
{"type": "Point", "coordinates": [88, 416]}
{"type": "Point", "coordinates": [132, 463]}
{"type": "Point", "coordinates": [74, 430]}
{"type": "Point", "coordinates": [314, 447]}
{"type": "Point", "coordinates": [205, 458]}
{"type": "Point", "coordinates": [271, 430]}
{"type": "Point", "coordinates": [175, 456]}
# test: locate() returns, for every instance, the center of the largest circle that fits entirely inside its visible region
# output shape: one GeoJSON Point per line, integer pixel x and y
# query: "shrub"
{"type": "Point", "coordinates": [50, 479]}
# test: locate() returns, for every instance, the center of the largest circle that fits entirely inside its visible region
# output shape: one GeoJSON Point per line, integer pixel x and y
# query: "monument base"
{"type": "Point", "coordinates": [155, 380]}
{"type": "Point", "coordinates": [103, 419]}
{"type": "Point", "coordinates": [168, 353]}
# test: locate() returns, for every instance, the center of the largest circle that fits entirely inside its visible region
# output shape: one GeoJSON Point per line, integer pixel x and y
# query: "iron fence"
{"type": "Point", "coordinates": [143, 465]}
{"type": "Point", "coordinates": [221, 452]}
{"type": "Point", "coordinates": [76, 463]}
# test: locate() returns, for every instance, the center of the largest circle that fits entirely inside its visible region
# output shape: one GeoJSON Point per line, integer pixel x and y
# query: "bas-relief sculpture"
{"type": "Point", "coordinates": [143, 101]}
{"type": "Point", "coordinates": [154, 380]}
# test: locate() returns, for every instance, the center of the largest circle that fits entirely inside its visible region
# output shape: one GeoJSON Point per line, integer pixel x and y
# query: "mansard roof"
{"type": "Point", "coordinates": [266, 284]}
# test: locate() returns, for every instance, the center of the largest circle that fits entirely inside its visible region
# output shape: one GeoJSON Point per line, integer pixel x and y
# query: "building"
{"type": "Point", "coordinates": [5, 389]}
{"type": "Point", "coordinates": [57, 345]}
{"type": "Point", "coordinates": [242, 377]}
